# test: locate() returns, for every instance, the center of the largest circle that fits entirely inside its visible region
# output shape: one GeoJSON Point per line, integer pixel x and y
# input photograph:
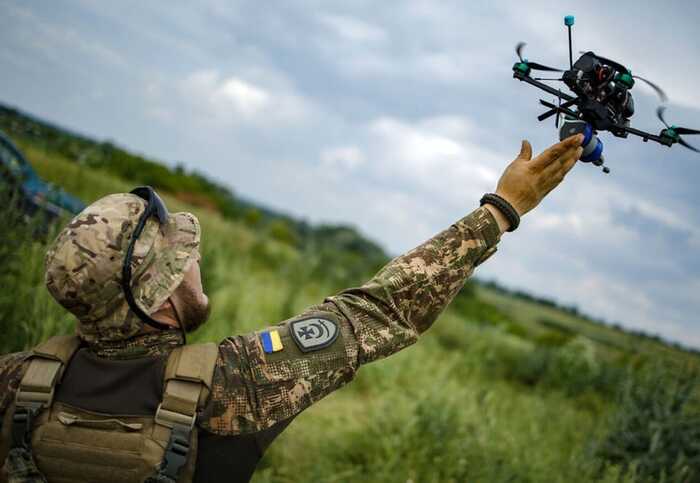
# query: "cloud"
{"type": "Point", "coordinates": [56, 43]}
{"type": "Point", "coordinates": [229, 94]}
{"type": "Point", "coordinates": [348, 157]}
{"type": "Point", "coordinates": [245, 98]}
{"type": "Point", "coordinates": [232, 98]}
{"type": "Point", "coordinates": [352, 29]}
{"type": "Point", "coordinates": [436, 155]}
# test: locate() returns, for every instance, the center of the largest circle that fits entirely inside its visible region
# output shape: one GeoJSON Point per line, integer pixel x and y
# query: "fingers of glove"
{"type": "Point", "coordinates": [569, 162]}
{"type": "Point", "coordinates": [559, 161]}
{"type": "Point", "coordinates": [555, 152]}
{"type": "Point", "coordinates": [565, 162]}
{"type": "Point", "coordinates": [525, 151]}
{"type": "Point", "coordinates": [555, 172]}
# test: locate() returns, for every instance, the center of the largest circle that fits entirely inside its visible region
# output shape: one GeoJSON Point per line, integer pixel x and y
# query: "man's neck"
{"type": "Point", "coordinates": [166, 314]}
{"type": "Point", "coordinates": [146, 344]}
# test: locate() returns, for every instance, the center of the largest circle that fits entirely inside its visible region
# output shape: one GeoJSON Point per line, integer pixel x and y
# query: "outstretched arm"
{"type": "Point", "coordinates": [267, 377]}
{"type": "Point", "coordinates": [403, 300]}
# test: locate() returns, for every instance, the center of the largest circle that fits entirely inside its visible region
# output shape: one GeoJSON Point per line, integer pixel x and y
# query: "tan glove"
{"type": "Point", "coordinates": [526, 181]}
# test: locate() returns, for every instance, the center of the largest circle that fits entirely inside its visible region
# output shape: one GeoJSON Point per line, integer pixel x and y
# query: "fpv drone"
{"type": "Point", "coordinates": [601, 102]}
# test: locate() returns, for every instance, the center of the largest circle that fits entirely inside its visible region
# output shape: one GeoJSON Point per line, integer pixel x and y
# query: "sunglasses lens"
{"type": "Point", "coordinates": [161, 211]}
{"type": "Point", "coordinates": [156, 206]}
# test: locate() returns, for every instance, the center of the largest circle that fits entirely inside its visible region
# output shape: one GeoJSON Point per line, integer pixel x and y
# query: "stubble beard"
{"type": "Point", "coordinates": [195, 308]}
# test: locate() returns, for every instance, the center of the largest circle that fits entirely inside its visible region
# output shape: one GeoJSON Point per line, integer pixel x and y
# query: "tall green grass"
{"type": "Point", "coordinates": [28, 314]}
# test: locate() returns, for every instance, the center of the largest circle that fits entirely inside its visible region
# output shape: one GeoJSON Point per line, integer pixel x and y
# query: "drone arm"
{"type": "Point", "coordinates": [646, 136]}
{"type": "Point", "coordinates": [526, 78]}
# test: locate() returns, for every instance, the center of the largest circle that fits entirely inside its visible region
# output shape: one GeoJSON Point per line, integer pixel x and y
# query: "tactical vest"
{"type": "Point", "coordinates": [60, 442]}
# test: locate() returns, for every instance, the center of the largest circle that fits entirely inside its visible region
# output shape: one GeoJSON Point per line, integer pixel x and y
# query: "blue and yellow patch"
{"type": "Point", "coordinates": [271, 341]}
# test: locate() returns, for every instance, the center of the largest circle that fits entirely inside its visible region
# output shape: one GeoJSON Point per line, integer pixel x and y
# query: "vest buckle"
{"type": "Point", "coordinates": [22, 423]}
{"type": "Point", "coordinates": [176, 452]}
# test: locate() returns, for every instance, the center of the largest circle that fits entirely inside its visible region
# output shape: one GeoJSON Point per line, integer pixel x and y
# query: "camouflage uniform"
{"type": "Point", "coordinates": [252, 388]}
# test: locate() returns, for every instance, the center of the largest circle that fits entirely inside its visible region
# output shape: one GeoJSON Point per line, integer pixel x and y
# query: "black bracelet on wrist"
{"type": "Point", "coordinates": [504, 207]}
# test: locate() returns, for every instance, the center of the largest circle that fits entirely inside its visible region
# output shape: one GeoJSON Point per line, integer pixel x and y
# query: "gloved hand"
{"type": "Point", "coordinates": [526, 181]}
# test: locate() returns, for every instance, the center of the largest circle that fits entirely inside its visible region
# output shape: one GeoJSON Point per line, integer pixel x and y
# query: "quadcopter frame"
{"type": "Point", "coordinates": [616, 129]}
{"type": "Point", "coordinates": [594, 111]}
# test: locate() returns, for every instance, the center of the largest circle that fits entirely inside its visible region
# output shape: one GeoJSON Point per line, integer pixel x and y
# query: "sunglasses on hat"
{"type": "Point", "coordinates": [155, 207]}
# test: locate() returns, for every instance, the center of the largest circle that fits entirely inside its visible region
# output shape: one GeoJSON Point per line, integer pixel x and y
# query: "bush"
{"type": "Point", "coordinates": [467, 305]}
{"type": "Point", "coordinates": [655, 433]}
{"type": "Point", "coordinates": [553, 338]}
{"type": "Point", "coordinates": [572, 368]}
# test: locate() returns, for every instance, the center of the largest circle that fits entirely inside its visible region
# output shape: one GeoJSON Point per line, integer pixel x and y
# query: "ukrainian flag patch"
{"type": "Point", "coordinates": [271, 341]}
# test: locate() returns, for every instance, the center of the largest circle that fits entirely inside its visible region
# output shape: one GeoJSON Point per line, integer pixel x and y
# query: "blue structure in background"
{"type": "Point", "coordinates": [36, 195]}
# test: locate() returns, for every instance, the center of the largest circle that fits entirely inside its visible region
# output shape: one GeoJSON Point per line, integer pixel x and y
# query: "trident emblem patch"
{"type": "Point", "coordinates": [314, 334]}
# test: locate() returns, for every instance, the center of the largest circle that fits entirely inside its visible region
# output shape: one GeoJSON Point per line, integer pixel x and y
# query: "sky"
{"type": "Point", "coordinates": [394, 117]}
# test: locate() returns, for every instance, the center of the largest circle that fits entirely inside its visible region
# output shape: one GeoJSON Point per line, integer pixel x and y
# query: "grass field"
{"type": "Point", "coordinates": [500, 389]}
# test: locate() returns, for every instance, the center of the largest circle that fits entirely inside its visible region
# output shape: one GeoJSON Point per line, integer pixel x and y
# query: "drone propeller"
{"type": "Point", "coordinates": [532, 65]}
{"type": "Point", "coordinates": [683, 143]}
{"type": "Point", "coordinates": [662, 95]}
{"type": "Point", "coordinates": [675, 131]}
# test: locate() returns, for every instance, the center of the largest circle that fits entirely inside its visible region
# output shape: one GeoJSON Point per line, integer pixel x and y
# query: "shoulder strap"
{"type": "Point", "coordinates": [35, 392]}
{"type": "Point", "coordinates": [45, 369]}
{"type": "Point", "coordinates": [188, 378]}
{"type": "Point", "coordinates": [192, 363]}
{"type": "Point", "coordinates": [60, 347]}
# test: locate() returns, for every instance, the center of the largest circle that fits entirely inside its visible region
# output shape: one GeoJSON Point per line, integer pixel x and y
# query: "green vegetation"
{"type": "Point", "coordinates": [655, 433]}
{"type": "Point", "coordinates": [502, 388]}
{"type": "Point", "coordinates": [192, 188]}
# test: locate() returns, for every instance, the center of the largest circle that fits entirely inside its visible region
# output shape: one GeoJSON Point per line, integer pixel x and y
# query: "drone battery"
{"type": "Point", "coordinates": [592, 146]}
{"type": "Point", "coordinates": [592, 152]}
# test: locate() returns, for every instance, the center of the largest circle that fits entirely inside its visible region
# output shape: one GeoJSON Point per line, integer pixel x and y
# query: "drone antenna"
{"type": "Point", "coordinates": [569, 22]}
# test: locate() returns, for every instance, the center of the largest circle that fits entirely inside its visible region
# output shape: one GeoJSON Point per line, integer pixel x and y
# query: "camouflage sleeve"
{"type": "Point", "coordinates": [407, 295]}
{"type": "Point", "coordinates": [10, 376]}
{"type": "Point", "coordinates": [11, 370]}
{"type": "Point", "coordinates": [258, 383]}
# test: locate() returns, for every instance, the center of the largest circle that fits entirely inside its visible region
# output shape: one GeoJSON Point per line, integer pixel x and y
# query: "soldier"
{"type": "Point", "coordinates": [126, 400]}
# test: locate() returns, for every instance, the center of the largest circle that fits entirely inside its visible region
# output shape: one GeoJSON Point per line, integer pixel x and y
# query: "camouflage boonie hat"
{"type": "Point", "coordinates": [84, 265]}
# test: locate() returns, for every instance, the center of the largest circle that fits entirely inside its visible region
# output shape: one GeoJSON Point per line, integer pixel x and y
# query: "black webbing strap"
{"type": "Point", "coordinates": [176, 451]}
{"type": "Point", "coordinates": [22, 424]}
